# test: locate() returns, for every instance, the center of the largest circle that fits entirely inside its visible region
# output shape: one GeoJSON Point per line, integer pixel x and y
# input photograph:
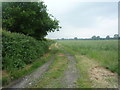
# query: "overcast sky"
{"type": "Point", "coordinates": [83, 19]}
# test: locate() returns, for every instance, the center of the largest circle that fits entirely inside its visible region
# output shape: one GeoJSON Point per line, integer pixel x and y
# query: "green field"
{"type": "Point", "coordinates": [104, 52]}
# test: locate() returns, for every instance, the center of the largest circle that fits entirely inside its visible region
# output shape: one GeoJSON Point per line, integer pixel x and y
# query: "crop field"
{"type": "Point", "coordinates": [103, 51]}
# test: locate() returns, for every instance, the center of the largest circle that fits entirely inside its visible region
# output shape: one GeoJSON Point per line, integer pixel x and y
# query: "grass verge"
{"type": "Point", "coordinates": [7, 77]}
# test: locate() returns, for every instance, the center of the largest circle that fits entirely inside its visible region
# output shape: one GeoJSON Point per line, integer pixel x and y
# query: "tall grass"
{"type": "Point", "coordinates": [104, 51]}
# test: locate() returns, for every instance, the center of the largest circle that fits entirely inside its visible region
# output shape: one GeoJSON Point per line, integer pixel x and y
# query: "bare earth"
{"type": "Point", "coordinates": [100, 76]}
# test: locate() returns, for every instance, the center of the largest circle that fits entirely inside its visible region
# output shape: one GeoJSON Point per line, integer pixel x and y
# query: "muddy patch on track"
{"type": "Point", "coordinates": [61, 54]}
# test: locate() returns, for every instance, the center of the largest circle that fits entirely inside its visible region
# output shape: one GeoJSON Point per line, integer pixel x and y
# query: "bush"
{"type": "Point", "coordinates": [19, 50]}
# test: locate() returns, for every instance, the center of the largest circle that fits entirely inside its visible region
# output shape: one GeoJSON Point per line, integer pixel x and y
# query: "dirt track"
{"type": "Point", "coordinates": [32, 78]}
{"type": "Point", "coordinates": [71, 74]}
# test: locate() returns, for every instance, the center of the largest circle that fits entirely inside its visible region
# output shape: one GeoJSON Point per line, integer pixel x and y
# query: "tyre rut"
{"type": "Point", "coordinates": [71, 73]}
{"type": "Point", "coordinates": [32, 78]}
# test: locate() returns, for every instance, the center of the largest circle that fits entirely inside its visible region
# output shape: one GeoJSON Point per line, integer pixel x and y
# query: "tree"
{"type": "Point", "coordinates": [62, 39]}
{"type": "Point", "coordinates": [94, 37]}
{"type": "Point", "coordinates": [107, 37]}
{"type": "Point", "coordinates": [98, 37]}
{"type": "Point", "coordinates": [29, 18]}
{"type": "Point", "coordinates": [75, 38]}
{"type": "Point", "coordinates": [116, 36]}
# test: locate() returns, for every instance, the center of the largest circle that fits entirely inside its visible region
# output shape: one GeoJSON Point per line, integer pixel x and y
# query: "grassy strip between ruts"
{"type": "Point", "coordinates": [52, 78]}
{"type": "Point", "coordinates": [8, 77]}
{"type": "Point", "coordinates": [83, 81]}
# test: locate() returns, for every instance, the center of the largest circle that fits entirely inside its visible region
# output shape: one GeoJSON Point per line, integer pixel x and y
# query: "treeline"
{"type": "Point", "coordinates": [115, 37]}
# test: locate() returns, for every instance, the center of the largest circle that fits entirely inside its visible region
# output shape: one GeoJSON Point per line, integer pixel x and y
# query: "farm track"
{"type": "Point", "coordinates": [71, 73]}
{"type": "Point", "coordinates": [32, 78]}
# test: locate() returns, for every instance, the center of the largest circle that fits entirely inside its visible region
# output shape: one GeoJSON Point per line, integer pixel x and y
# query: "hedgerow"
{"type": "Point", "coordinates": [19, 50]}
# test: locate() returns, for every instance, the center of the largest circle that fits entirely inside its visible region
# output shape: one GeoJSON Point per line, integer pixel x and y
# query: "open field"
{"type": "Point", "coordinates": [103, 51]}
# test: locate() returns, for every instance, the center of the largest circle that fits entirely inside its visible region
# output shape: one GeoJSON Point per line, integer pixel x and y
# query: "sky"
{"type": "Point", "coordinates": [83, 19]}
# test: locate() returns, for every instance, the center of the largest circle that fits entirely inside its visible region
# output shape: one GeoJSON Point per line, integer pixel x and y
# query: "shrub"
{"type": "Point", "coordinates": [19, 50]}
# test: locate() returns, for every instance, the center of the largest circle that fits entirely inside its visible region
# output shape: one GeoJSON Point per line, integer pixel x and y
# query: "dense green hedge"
{"type": "Point", "coordinates": [19, 50]}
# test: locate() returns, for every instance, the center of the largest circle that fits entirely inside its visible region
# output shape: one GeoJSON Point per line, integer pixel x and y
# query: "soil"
{"type": "Point", "coordinates": [100, 76]}
{"type": "Point", "coordinates": [61, 54]}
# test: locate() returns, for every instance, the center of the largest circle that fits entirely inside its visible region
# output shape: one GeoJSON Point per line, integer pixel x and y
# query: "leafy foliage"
{"type": "Point", "coordinates": [29, 18]}
{"type": "Point", "coordinates": [19, 50]}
